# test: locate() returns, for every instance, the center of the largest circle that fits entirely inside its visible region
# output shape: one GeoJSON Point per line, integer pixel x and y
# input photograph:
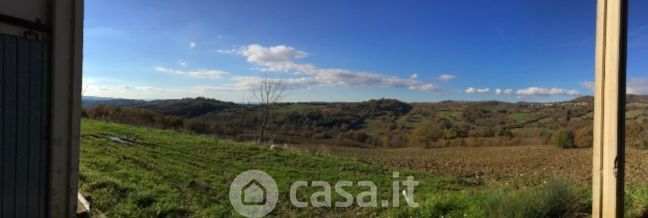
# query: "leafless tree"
{"type": "Point", "coordinates": [268, 92]}
{"type": "Point", "coordinates": [84, 89]}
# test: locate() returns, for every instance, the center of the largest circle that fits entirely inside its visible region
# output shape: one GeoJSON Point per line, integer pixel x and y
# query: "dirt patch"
{"type": "Point", "coordinates": [127, 140]}
{"type": "Point", "coordinates": [492, 164]}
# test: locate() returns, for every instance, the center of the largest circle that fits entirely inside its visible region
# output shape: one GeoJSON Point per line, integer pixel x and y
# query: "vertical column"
{"type": "Point", "coordinates": [609, 109]}
{"type": "Point", "coordinates": [65, 104]}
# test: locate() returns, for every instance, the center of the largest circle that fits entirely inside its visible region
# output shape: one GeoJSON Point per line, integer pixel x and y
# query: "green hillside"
{"type": "Point", "coordinates": [376, 123]}
{"type": "Point", "coordinates": [130, 171]}
{"type": "Point", "coordinates": [164, 173]}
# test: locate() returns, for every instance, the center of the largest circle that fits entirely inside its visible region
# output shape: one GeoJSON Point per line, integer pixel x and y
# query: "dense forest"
{"type": "Point", "coordinates": [380, 122]}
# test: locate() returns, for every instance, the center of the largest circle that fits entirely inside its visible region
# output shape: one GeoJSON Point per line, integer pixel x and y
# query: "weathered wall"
{"type": "Point", "coordinates": [40, 106]}
{"type": "Point", "coordinates": [25, 9]}
{"type": "Point", "coordinates": [23, 127]}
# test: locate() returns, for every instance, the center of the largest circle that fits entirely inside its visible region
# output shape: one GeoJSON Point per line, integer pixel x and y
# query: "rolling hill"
{"type": "Point", "coordinates": [380, 122]}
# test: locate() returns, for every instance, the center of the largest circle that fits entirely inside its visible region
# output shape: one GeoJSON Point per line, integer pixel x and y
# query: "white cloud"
{"type": "Point", "coordinates": [637, 86]}
{"type": "Point", "coordinates": [283, 58]}
{"type": "Point", "coordinates": [447, 77]}
{"type": "Point", "coordinates": [638, 31]}
{"type": "Point", "coordinates": [209, 74]}
{"type": "Point", "coordinates": [233, 51]}
{"type": "Point", "coordinates": [472, 90]}
{"type": "Point", "coordinates": [182, 63]}
{"type": "Point", "coordinates": [127, 89]}
{"type": "Point", "coordinates": [116, 88]}
{"type": "Point", "coordinates": [245, 83]}
{"type": "Point", "coordinates": [192, 45]}
{"type": "Point", "coordinates": [537, 91]}
{"type": "Point", "coordinates": [504, 91]}
{"type": "Point", "coordinates": [414, 76]}
{"type": "Point", "coordinates": [588, 84]}
{"type": "Point", "coordinates": [144, 88]}
{"type": "Point", "coordinates": [279, 55]}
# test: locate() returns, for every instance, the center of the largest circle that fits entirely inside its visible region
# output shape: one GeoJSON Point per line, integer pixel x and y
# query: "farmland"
{"type": "Point", "coordinates": [493, 164]}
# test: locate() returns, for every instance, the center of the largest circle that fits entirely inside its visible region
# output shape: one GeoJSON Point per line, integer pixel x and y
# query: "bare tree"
{"type": "Point", "coordinates": [269, 92]}
{"type": "Point", "coordinates": [84, 89]}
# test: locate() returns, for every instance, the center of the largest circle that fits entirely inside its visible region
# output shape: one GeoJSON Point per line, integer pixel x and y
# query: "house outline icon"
{"type": "Point", "coordinates": [254, 193]}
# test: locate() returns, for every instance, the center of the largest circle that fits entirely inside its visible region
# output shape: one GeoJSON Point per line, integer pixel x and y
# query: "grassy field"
{"type": "Point", "coordinates": [130, 171]}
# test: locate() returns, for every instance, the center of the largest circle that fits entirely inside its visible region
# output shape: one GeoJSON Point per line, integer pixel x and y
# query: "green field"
{"type": "Point", "coordinates": [158, 173]}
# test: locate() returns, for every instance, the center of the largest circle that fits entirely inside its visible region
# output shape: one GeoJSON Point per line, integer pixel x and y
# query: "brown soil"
{"type": "Point", "coordinates": [491, 164]}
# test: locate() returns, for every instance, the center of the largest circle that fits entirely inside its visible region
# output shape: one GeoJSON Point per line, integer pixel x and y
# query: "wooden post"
{"type": "Point", "coordinates": [609, 109]}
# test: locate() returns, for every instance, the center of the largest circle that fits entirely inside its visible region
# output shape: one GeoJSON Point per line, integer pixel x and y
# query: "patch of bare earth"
{"type": "Point", "coordinates": [492, 164]}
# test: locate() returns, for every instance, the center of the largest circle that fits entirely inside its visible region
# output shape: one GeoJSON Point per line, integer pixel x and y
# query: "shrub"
{"type": "Point", "coordinates": [636, 204]}
{"type": "Point", "coordinates": [553, 199]}
{"type": "Point", "coordinates": [584, 137]}
{"type": "Point", "coordinates": [357, 136]}
{"type": "Point", "coordinates": [450, 134]}
{"type": "Point", "coordinates": [425, 134]}
{"type": "Point", "coordinates": [564, 139]}
{"type": "Point", "coordinates": [643, 144]}
{"type": "Point", "coordinates": [196, 126]}
{"type": "Point", "coordinates": [503, 132]}
{"type": "Point", "coordinates": [441, 205]}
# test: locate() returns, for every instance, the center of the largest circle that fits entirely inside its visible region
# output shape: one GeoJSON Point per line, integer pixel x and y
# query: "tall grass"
{"type": "Point", "coordinates": [636, 201]}
{"type": "Point", "coordinates": [553, 199]}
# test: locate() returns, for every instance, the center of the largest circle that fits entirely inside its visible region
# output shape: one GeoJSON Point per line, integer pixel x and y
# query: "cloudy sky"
{"type": "Point", "coordinates": [340, 50]}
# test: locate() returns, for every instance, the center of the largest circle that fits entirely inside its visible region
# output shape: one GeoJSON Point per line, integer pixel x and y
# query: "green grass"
{"type": "Point", "coordinates": [169, 174]}
{"type": "Point", "coordinates": [521, 117]}
{"type": "Point", "coordinates": [635, 114]}
{"type": "Point", "coordinates": [554, 199]}
{"type": "Point", "coordinates": [410, 121]}
{"type": "Point", "coordinates": [636, 200]}
{"type": "Point", "coordinates": [165, 173]}
{"type": "Point", "coordinates": [292, 108]}
{"type": "Point", "coordinates": [530, 131]}
{"type": "Point", "coordinates": [374, 126]}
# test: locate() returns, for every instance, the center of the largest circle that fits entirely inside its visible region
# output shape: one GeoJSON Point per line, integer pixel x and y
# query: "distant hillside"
{"type": "Point", "coordinates": [189, 107]}
{"type": "Point", "coordinates": [584, 99]}
{"type": "Point", "coordinates": [379, 122]}
{"type": "Point", "coordinates": [637, 99]}
{"type": "Point", "coordinates": [95, 98]}
{"type": "Point", "coordinates": [629, 99]}
{"type": "Point", "coordinates": [92, 101]}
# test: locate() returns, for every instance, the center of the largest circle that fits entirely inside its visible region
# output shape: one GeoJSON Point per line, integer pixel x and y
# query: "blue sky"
{"type": "Point", "coordinates": [340, 50]}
